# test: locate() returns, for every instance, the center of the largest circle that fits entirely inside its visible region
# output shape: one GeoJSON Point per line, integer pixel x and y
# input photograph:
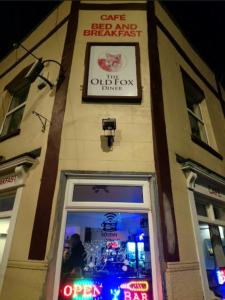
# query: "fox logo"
{"type": "Point", "coordinates": [111, 62]}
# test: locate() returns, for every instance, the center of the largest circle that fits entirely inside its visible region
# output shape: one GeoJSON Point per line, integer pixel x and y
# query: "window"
{"type": "Point", "coordinates": [107, 193]}
{"type": "Point", "coordinates": [6, 207]}
{"type": "Point", "coordinates": [212, 238]}
{"type": "Point", "coordinates": [15, 113]}
{"type": "Point", "coordinates": [107, 244]}
{"type": "Point", "coordinates": [194, 96]}
{"type": "Point", "coordinates": [106, 256]}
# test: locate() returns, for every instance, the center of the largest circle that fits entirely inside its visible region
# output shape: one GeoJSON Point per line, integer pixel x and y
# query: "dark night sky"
{"type": "Point", "coordinates": [202, 22]}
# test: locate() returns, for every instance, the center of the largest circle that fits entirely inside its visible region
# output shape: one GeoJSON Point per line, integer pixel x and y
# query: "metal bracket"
{"type": "Point", "coordinates": [42, 119]}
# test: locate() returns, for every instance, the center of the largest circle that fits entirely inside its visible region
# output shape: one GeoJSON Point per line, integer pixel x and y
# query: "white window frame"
{"type": "Point", "coordinates": [13, 168]}
{"type": "Point", "coordinates": [10, 112]}
{"type": "Point", "coordinates": [193, 189]}
{"type": "Point", "coordinates": [91, 207]}
{"type": "Point", "coordinates": [200, 120]}
{"type": "Point", "coordinates": [186, 76]}
{"type": "Point", "coordinates": [12, 215]}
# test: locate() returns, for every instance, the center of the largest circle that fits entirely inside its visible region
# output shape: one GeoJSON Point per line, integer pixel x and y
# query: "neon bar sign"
{"type": "Point", "coordinates": [221, 276]}
{"type": "Point", "coordinates": [135, 290]}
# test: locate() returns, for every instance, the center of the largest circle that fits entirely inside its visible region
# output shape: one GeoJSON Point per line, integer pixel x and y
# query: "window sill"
{"type": "Point", "coordinates": [9, 135]}
{"type": "Point", "coordinates": [206, 147]}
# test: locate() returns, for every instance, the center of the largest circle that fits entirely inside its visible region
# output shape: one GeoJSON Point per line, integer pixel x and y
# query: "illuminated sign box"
{"type": "Point", "coordinates": [112, 73]}
{"type": "Point", "coordinates": [118, 289]}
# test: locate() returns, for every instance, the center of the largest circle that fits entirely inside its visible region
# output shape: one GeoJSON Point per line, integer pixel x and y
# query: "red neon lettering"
{"type": "Point", "coordinates": [96, 292]}
{"type": "Point", "coordinates": [77, 289]}
{"type": "Point", "coordinates": [136, 296]}
{"type": "Point", "coordinates": [144, 296]}
{"type": "Point", "coordinates": [127, 295]}
{"type": "Point", "coordinates": [68, 291]}
{"type": "Point", "coordinates": [87, 291]}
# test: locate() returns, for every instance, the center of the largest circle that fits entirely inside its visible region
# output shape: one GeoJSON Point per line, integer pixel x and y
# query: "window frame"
{"type": "Point", "coordinates": [186, 77]}
{"type": "Point", "coordinates": [92, 207]}
{"type": "Point", "coordinates": [194, 191]}
{"type": "Point", "coordinates": [12, 215]}
{"type": "Point", "coordinates": [12, 111]}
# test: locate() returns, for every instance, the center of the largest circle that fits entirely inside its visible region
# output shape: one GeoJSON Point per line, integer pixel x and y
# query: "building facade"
{"type": "Point", "coordinates": [112, 173]}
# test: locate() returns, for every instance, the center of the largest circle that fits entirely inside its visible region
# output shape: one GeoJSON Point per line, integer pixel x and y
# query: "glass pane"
{"type": "Point", "coordinates": [196, 110]}
{"type": "Point", "coordinates": [6, 202]}
{"type": "Point", "coordinates": [215, 271]}
{"type": "Point", "coordinates": [222, 236]}
{"type": "Point", "coordinates": [201, 209]}
{"type": "Point", "coordinates": [106, 256]}
{"type": "Point", "coordinates": [197, 128]}
{"type": "Point", "coordinates": [108, 193]}
{"type": "Point", "coordinates": [4, 226]}
{"type": "Point", "coordinates": [219, 212]}
{"type": "Point", "coordinates": [207, 246]}
{"type": "Point", "coordinates": [12, 122]}
{"type": "Point", "coordinates": [19, 97]}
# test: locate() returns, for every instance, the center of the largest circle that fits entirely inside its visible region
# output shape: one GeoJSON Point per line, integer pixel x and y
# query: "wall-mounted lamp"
{"type": "Point", "coordinates": [36, 68]}
{"type": "Point", "coordinates": [109, 127]}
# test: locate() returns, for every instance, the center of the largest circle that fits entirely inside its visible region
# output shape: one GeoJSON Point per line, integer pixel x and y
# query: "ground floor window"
{"type": "Point", "coordinates": [211, 219]}
{"type": "Point", "coordinates": [106, 255]}
{"type": "Point", "coordinates": [6, 208]}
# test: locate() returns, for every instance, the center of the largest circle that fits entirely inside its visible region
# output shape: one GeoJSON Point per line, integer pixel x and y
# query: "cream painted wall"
{"type": "Point", "coordinates": [24, 279]}
{"type": "Point", "coordinates": [81, 137]}
{"type": "Point", "coordinates": [81, 147]}
{"type": "Point", "coordinates": [29, 280]}
{"type": "Point", "coordinates": [179, 137]}
{"type": "Point", "coordinates": [179, 142]}
{"type": "Point", "coordinates": [81, 144]}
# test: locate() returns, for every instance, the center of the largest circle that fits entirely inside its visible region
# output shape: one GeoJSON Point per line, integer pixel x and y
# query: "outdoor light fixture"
{"type": "Point", "coordinates": [36, 68]}
{"type": "Point", "coordinates": [109, 127]}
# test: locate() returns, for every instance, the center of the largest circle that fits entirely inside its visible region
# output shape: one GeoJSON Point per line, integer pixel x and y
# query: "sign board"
{"type": "Point", "coordinates": [110, 289]}
{"type": "Point", "coordinates": [112, 73]}
{"type": "Point", "coordinates": [8, 181]}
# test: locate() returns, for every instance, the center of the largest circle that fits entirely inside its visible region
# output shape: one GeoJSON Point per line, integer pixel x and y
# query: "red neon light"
{"type": "Point", "coordinates": [67, 290]}
{"type": "Point", "coordinates": [85, 290]}
{"type": "Point", "coordinates": [135, 296]}
{"type": "Point", "coordinates": [221, 276]}
{"type": "Point", "coordinates": [136, 286]}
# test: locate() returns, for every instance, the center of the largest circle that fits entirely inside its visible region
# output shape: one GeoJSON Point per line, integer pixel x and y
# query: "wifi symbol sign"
{"type": "Point", "coordinates": [110, 217]}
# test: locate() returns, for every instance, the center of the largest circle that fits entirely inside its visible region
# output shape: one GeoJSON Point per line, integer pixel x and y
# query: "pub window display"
{"type": "Point", "coordinates": [106, 256]}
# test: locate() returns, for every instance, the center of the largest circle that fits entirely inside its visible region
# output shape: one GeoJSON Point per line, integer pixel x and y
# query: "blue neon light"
{"type": "Point", "coordinates": [115, 293]}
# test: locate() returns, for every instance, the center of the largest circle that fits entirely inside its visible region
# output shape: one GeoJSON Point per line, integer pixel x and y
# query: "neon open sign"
{"type": "Point", "coordinates": [81, 291]}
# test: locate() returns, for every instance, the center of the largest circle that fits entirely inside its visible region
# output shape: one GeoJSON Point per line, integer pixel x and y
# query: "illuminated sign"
{"type": "Point", "coordinates": [221, 276]}
{"type": "Point", "coordinates": [135, 290]}
{"type": "Point", "coordinates": [82, 289]}
{"type": "Point", "coordinates": [118, 289]}
{"type": "Point", "coordinates": [137, 286]}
